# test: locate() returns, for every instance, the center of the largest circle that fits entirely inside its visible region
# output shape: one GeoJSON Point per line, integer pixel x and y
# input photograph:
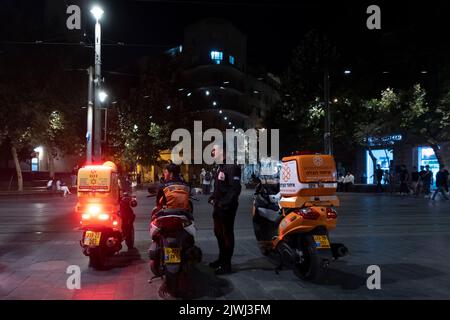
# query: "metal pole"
{"type": "Point", "coordinates": [327, 126]}
{"type": "Point", "coordinates": [98, 112]}
{"type": "Point", "coordinates": [90, 116]}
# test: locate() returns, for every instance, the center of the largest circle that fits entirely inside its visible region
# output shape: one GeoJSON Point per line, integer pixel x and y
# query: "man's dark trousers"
{"type": "Point", "coordinates": [224, 232]}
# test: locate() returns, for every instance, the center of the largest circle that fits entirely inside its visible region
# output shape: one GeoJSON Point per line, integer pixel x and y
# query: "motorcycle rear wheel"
{"type": "Point", "coordinates": [311, 268]}
{"type": "Point", "coordinates": [97, 258]}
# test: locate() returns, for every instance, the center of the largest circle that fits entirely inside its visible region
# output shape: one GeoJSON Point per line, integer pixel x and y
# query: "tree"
{"type": "Point", "coordinates": [300, 114]}
{"type": "Point", "coordinates": [40, 105]}
{"type": "Point", "coordinates": [429, 121]}
{"type": "Point", "coordinates": [142, 124]}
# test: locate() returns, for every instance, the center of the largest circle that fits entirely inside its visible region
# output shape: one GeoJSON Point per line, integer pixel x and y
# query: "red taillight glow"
{"type": "Point", "coordinates": [331, 213]}
{"type": "Point", "coordinates": [103, 216]}
{"type": "Point", "coordinates": [85, 216]}
{"type": "Point", "coordinates": [115, 223]}
{"type": "Point", "coordinates": [308, 214]}
{"type": "Point", "coordinates": [93, 209]}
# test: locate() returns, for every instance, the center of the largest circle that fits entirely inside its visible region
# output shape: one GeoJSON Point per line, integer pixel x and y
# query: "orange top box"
{"type": "Point", "coordinates": [308, 175]}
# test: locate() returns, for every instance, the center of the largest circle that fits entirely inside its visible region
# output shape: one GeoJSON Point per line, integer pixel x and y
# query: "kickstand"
{"type": "Point", "coordinates": [153, 278]}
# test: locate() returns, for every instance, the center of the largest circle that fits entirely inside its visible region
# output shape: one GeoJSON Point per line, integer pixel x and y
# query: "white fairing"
{"type": "Point", "coordinates": [191, 229]}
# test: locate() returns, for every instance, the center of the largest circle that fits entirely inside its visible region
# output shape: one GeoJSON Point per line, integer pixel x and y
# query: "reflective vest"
{"type": "Point", "coordinates": [176, 195]}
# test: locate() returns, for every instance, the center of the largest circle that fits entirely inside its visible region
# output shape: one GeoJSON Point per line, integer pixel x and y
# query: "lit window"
{"type": "Point", "coordinates": [217, 56]}
{"type": "Point", "coordinates": [231, 59]}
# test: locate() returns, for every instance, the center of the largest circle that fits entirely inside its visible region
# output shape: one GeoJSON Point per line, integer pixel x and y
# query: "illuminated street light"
{"type": "Point", "coordinates": [102, 96]}
{"type": "Point", "coordinates": [97, 12]}
{"type": "Point", "coordinates": [347, 72]}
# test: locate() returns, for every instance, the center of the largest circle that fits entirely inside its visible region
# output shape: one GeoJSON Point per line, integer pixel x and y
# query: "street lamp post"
{"type": "Point", "coordinates": [90, 115]}
{"type": "Point", "coordinates": [97, 12]}
{"type": "Point", "coordinates": [327, 137]}
{"type": "Point", "coordinates": [327, 123]}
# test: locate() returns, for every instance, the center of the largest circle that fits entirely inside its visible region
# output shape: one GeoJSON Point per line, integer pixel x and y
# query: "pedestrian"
{"type": "Point", "coordinates": [379, 176]}
{"type": "Point", "coordinates": [138, 180]}
{"type": "Point", "coordinates": [404, 178]}
{"type": "Point", "coordinates": [441, 182]}
{"type": "Point", "coordinates": [65, 189]}
{"type": "Point", "coordinates": [225, 200]}
{"type": "Point", "coordinates": [386, 176]}
{"type": "Point", "coordinates": [349, 181]}
{"type": "Point", "coordinates": [415, 180]}
{"type": "Point", "coordinates": [446, 174]}
{"type": "Point", "coordinates": [73, 176]}
{"type": "Point", "coordinates": [58, 185]}
{"type": "Point", "coordinates": [50, 185]}
{"type": "Point", "coordinates": [202, 177]}
{"type": "Point", "coordinates": [340, 183]}
{"type": "Point", "coordinates": [426, 180]}
{"type": "Point", "coordinates": [207, 183]}
{"type": "Point", "coordinates": [420, 182]}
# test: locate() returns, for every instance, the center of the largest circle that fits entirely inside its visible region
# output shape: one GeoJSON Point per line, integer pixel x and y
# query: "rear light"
{"type": "Point", "coordinates": [103, 216]}
{"type": "Point", "coordinates": [85, 216]}
{"type": "Point", "coordinates": [93, 209]}
{"type": "Point", "coordinates": [115, 223]}
{"type": "Point", "coordinates": [331, 213]}
{"type": "Point", "coordinates": [308, 213]}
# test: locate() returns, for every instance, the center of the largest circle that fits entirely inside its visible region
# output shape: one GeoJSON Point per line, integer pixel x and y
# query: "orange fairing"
{"type": "Point", "coordinates": [308, 175]}
{"type": "Point", "coordinates": [306, 221]}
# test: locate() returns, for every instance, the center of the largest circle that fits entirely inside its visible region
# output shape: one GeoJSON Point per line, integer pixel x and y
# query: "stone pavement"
{"type": "Point", "coordinates": [407, 237]}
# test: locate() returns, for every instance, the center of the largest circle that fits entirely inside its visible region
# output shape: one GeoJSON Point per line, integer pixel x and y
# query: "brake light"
{"type": "Point", "coordinates": [103, 216]}
{"type": "Point", "coordinates": [85, 216]}
{"type": "Point", "coordinates": [93, 209]}
{"type": "Point", "coordinates": [115, 223]}
{"type": "Point", "coordinates": [331, 213]}
{"type": "Point", "coordinates": [309, 214]}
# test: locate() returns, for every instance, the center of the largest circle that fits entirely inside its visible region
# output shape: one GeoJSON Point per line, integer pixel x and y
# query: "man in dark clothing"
{"type": "Point", "coordinates": [415, 180]}
{"type": "Point", "coordinates": [426, 180]}
{"type": "Point", "coordinates": [446, 174]}
{"type": "Point", "coordinates": [225, 199]}
{"type": "Point", "coordinates": [379, 176]}
{"type": "Point", "coordinates": [404, 177]}
{"type": "Point", "coordinates": [441, 182]}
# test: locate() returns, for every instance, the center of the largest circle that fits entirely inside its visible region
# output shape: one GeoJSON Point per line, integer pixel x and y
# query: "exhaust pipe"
{"type": "Point", "coordinates": [338, 250]}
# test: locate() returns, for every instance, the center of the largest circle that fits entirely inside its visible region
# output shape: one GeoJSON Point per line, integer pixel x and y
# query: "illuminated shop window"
{"type": "Point", "coordinates": [217, 56]}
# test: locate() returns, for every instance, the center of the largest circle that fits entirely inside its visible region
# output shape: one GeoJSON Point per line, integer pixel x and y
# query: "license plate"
{"type": "Point", "coordinates": [92, 238]}
{"type": "Point", "coordinates": [322, 242]}
{"type": "Point", "coordinates": [172, 255]}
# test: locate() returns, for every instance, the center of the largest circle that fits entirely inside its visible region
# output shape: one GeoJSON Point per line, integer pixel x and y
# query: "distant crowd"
{"type": "Point", "coordinates": [417, 183]}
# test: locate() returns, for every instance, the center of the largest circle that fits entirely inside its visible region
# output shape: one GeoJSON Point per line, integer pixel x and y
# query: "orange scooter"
{"type": "Point", "coordinates": [294, 225]}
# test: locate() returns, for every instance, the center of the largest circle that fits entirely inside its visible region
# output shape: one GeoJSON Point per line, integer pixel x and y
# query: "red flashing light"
{"type": "Point", "coordinates": [308, 214]}
{"type": "Point", "coordinates": [331, 213]}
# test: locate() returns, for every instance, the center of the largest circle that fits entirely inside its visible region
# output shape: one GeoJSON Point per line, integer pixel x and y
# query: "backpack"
{"type": "Point", "coordinates": [208, 176]}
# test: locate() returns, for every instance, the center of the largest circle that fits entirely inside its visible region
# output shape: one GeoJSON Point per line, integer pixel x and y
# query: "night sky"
{"type": "Point", "coordinates": [273, 28]}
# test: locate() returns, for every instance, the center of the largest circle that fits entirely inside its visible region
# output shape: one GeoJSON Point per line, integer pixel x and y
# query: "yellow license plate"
{"type": "Point", "coordinates": [172, 255]}
{"type": "Point", "coordinates": [92, 238]}
{"type": "Point", "coordinates": [322, 242]}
